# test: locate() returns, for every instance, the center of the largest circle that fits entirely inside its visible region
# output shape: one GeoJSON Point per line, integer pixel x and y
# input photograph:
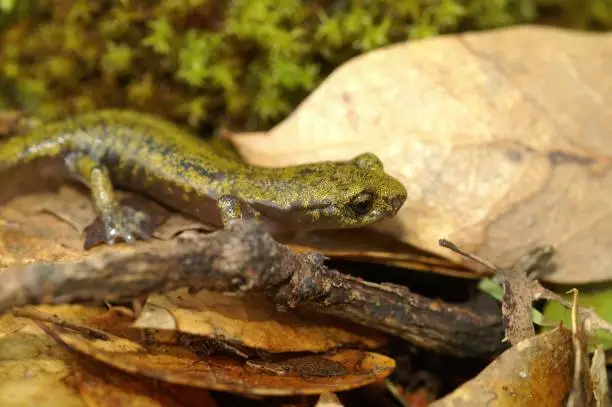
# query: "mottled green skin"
{"type": "Point", "coordinates": [140, 152]}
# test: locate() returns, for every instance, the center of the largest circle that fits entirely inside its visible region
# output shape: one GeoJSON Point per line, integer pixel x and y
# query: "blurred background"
{"type": "Point", "coordinates": [243, 64]}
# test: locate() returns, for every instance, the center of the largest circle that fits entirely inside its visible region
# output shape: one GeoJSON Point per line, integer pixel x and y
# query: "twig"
{"type": "Point", "coordinates": [450, 245]}
{"type": "Point", "coordinates": [54, 319]}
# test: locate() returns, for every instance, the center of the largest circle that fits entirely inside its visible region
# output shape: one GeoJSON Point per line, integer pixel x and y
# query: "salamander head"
{"type": "Point", "coordinates": [346, 194]}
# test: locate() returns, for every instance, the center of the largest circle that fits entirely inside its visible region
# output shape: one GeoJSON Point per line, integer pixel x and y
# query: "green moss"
{"type": "Point", "coordinates": [160, 37]}
{"type": "Point", "coordinates": [245, 63]}
{"type": "Point", "coordinates": [117, 59]}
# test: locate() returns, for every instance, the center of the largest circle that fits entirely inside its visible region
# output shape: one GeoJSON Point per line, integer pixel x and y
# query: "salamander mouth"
{"type": "Point", "coordinates": [317, 207]}
{"type": "Point", "coordinates": [373, 217]}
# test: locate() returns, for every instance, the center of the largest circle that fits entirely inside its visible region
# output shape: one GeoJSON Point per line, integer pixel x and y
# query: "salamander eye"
{"type": "Point", "coordinates": [368, 161]}
{"type": "Point", "coordinates": [362, 203]}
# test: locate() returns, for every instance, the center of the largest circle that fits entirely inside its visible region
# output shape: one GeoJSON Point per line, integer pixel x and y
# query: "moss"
{"type": "Point", "coordinates": [245, 63]}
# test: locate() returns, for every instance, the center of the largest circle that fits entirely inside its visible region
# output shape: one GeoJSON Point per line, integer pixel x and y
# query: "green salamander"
{"type": "Point", "coordinates": [145, 154]}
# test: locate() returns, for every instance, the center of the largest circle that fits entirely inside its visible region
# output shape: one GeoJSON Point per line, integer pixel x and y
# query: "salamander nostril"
{"type": "Point", "coordinates": [397, 202]}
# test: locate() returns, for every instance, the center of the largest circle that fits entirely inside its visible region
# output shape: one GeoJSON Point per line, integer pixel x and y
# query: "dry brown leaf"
{"type": "Point", "coordinates": [27, 236]}
{"type": "Point", "coordinates": [250, 321]}
{"type": "Point", "coordinates": [176, 224]}
{"type": "Point", "coordinates": [48, 226]}
{"type": "Point", "coordinates": [599, 378]}
{"type": "Point", "coordinates": [69, 205]}
{"type": "Point", "coordinates": [104, 386]}
{"type": "Point", "coordinates": [290, 376]}
{"type": "Point", "coordinates": [500, 138]}
{"type": "Point", "coordinates": [29, 233]}
{"type": "Point", "coordinates": [34, 369]}
{"type": "Point", "coordinates": [536, 372]}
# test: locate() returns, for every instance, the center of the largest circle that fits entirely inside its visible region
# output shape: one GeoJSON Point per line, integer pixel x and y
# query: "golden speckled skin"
{"type": "Point", "coordinates": [144, 153]}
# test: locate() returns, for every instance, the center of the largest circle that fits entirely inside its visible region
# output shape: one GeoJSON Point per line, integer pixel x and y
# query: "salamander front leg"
{"type": "Point", "coordinates": [120, 222]}
{"type": "Point", "coordinates": [234, 209]}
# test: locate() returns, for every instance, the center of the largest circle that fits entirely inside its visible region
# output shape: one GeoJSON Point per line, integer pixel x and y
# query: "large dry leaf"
{"type": "Point", "coordinates": [314, 374]}
{"type": "Point", "coordinates": [599, 377]}
{"type": "Point", "coordinates": [34, 369]}
{"type": "Point", "coordinates": [47, 226]}
{"type": "Point", "coordinates": [103, 386]}
{"type": "Point", "coordinates": [250, 321]}
{"type": "Point", "coordinates": [501, 139]}
{"type": "Point", "coordinates": [535, 372]}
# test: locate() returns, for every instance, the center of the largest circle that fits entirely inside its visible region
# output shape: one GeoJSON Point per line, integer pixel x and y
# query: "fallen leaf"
{"type": "Point", "coordinates": [599, 378]}
{"type": "Point", "coordinates": [535, 372]}
{"type": "Point", "coordinates": [34, 369]}
{"type": "Point", "coordinates": [250, 321]}
{"type": "Point", "coordinates": [47, 226]}
{"type": "Point", "coordinates": [176, 224]}
{"type": "Point", "coordinates": [104, 386]}
{"type": "Point", "coordinates": [501, 150]}
{"type": "Point", "coordinates": [29, 234]}
{"type": "Point", "coordinates": [314, 374]}
{"type": "Point", "coordinates": [69, 205]}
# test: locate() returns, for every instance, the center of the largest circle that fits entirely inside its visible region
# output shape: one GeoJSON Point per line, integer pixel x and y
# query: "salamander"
{"type": "Point", "coordinates": [135, 151]}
